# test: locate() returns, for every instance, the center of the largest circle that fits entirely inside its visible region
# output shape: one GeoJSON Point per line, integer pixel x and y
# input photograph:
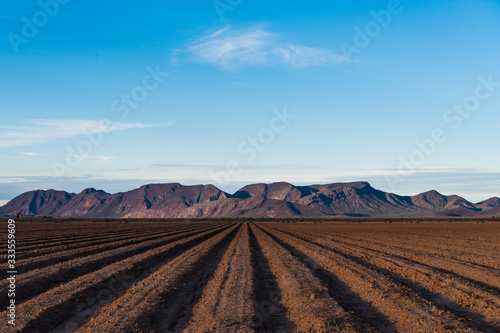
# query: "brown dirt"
{"type": "Point", "coordinates": [234, 276]}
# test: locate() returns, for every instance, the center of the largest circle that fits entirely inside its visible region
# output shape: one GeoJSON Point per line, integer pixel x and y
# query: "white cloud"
{"type": "Point", "coordinates": [231, 49]}
{"type": "Point", "coordinates": [302, 56]}
{"type": "Point", "coordinates": [474, 184]}
{"type": "Point", "coordinates": [100, 159]}
{"type": "Point", "coordinates": [3, 202]}
{"type": "Point", "coordinates": [27, 153]}
{"type": "Point", "coordinates": [42, 130]}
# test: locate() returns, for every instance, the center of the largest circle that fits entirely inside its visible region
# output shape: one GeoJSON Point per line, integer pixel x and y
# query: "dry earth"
{"type": "Point", "coordinates": [249, 276]}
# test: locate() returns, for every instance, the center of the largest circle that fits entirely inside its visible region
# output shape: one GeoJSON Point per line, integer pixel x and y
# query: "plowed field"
{"type": "Point", "coordinates": [235, 276]}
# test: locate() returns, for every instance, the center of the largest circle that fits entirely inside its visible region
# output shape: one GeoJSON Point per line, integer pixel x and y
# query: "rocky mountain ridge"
{"type": "Point", "coordinates": [256, 200]}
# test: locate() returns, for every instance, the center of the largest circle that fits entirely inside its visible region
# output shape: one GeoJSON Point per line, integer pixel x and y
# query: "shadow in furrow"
{"type": "Point", "coordinates": [466, 316]}
{"type": "Point", "coordinates": [91, 249]}
{"type": "Point", "coordinates": [270, 315]}
{"type": "Point", "coordinates": [342, 293]}
{"type": "Point", "coordinates": [481, 284]}
{"type": "Point", "coordinates": [35, 287]}
{"type": "Point", "coordinates": [173, 314]}
{"type": "Point", "coordinates": [85, 303]}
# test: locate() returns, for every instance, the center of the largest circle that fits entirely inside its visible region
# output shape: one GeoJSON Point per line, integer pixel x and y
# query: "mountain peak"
{"type": "Point", "coordinates": [160, 186]}
{"type": "Point", "coordinates": [431, 195]}
{"type": "Point", "coordinates": [271, 200]}
{"type": "Point", "coordinates": [360, 185]}
{"type": "Point", "coordinates": [492, 202]}
{"type": "Point", "coordinates": [38, 202]}
{"type": "Point", "coordinates": [91, 190]}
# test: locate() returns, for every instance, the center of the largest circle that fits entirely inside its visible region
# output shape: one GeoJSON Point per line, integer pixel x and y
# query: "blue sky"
{"type": "Point", "coordinates": [403, 94]}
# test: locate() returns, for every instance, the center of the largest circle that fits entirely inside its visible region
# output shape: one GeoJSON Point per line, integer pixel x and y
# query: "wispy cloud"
{"type": "Point", "coordinates": [100, 159]}
{"type": "Point", "coordinates": [28, 153]}
{"type": "Point", "coordinates": [473, 184]}
{"type": "Point", "coordinates": [42, 130]}
{"type": "Point", "coordinates": [231, 49]}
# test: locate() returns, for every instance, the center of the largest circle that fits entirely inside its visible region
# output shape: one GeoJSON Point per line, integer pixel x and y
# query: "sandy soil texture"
{"type": "Point", "coordinates": [255, 276]}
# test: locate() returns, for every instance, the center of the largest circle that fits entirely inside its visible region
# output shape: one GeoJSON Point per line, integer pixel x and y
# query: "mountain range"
{"type": "Point", "coordinates": [281, 199]}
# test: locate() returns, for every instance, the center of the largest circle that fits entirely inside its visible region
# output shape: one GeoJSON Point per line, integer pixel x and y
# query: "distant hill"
{"type": "Point", "coordinates": [256, 200]}
{"type": "Point", "coordinates": [37, 202]}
